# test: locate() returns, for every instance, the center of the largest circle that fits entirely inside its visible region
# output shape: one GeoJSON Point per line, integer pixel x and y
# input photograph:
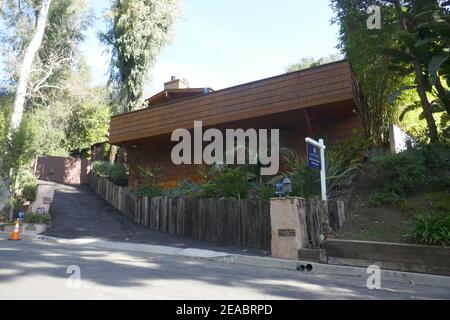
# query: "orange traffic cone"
{"type": "Point", "coordinates": [15, 235]}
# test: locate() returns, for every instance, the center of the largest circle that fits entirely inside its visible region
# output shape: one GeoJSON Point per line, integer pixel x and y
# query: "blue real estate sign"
{"type": "Point", "coordinates": [314, 157]}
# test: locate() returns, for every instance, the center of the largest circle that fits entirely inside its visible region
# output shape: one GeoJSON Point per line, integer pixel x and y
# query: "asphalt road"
{"type": "Point", "coordinates": [35, 270]}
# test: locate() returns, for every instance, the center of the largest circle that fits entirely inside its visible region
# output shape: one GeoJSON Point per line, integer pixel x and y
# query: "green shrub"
{"type": "Point", "coordinates": [376, 199]}
{"type": "Point", "coordinates": [27, 185]}
{"type": "Point", "coordinates": [396, 176]}
{"type": "Point", "coordinates": [230, 183]}
{"type": "Point", "coordinates": [101, 168]}
{"type": "Point", "coordinates": [209, 190]}
{"type": "Point", "coordinates": [400, 174]}
{"type": "Point", "coordinates": [149, 191]}
{"type": "Point", "coordinates": [436, 158]}
{"type": "Point", "coordinates": [185, 188]}
{"type": "Point", "coordinates": [305, 181]}
{"type": "Point", "coordinates": [37, 217]}
{"type": "Point", "coordinates": [116, 172]}
{"type": "Point", "coordinates": [266, 191]}
{"type": "Point", "coordinates": [341, 170]}
{"type": "Point", "coordinates": [431, 229]}
{"type": "Point", "coordinates": [29, 192]}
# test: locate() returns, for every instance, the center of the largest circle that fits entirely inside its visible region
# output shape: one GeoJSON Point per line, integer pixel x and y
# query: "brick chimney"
{"type": "Point", "coordinates": [175, 83]}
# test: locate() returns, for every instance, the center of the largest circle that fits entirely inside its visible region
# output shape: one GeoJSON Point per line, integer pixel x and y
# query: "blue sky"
{"type": "Point", "coordinates": [222, 43]}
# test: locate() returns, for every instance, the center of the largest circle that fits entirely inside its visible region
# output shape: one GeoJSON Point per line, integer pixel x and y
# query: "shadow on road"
{"type": "Point", "coordinates": [137, 270]}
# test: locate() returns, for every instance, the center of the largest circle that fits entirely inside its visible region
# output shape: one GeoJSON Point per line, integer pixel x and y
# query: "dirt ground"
{"type": "Point", "coordinates": [389, 223]}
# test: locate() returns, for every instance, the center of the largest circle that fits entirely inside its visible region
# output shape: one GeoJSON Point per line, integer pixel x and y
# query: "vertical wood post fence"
{"type": "Point", "coordinates": [229, 221]}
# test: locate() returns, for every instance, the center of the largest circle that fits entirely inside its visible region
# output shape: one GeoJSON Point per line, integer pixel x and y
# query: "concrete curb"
{"type": "Point", "coordinates": [265, 262]}
{"type": "Point", "coordinates": [328, 269]}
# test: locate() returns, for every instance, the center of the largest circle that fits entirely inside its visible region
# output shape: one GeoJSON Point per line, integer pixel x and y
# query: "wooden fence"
{"type": "Point", "coordinates": [229, 221]}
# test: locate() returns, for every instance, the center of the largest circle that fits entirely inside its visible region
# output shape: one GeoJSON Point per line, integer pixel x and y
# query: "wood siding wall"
{"type": "Point", "coordinates": [323, 85]}
{"type": "Point", "coordinates": [292, 136]}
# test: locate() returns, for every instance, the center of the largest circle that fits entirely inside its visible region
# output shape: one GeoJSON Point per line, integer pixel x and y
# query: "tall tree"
{"type": "Point", "coordinates": [25, 69]}
{"type": "Point", "coordinates": [416, 56]}
{"type": "Point", "coordinates": [138, 30]}
{"type": "Point", "coordinates": [67, 21]}
{"type": "Point", "coordinates": [376, 81]}
{"type": "Point", "coordinates": [51, 61]}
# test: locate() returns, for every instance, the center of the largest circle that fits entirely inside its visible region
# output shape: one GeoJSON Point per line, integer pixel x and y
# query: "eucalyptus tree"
{"type": "Point", "coordinates": [138, 30]}
{"type": "Point", "coordinates": [20, 94]}
{"type": "Point", "coordinates": [67, 22]}
{"type": "Point", "coordinates": [39, 43]}
{"type": "Point", "coordinates": [27, 63]}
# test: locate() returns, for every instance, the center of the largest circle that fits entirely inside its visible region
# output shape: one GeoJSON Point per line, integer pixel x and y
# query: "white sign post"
{"type": "Point", "coordinates": [323, 179]}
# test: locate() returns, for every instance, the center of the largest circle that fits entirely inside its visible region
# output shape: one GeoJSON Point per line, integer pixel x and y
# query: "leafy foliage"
{"type": "Point", "coordinates": [396, 176]}
{"type": "Point", "coordinates": [422, 54]}
{"type": "Point", "coordinates": [27, 184]}
{"type": "Point", "coordinates": [306, 181]}
{"type": "Point", "coordinates": [20, 148]}
{"type": "Point", "coordinates": [232, 182]}
{"type": "Point", "coordinates": [399, 174]}
{"type": "Point", "coordinates": [185, 188]}
{"type": "Point", "coordinates": [87, 124]}
{"type": "Point", "coordinates": [149, 175]}
{"type": "Point", "coordinates": [342, 164]}
{"type": "Point", "coordinates": [6, 102]}
{"type": "Point", "coordinates": [138, 29]}
{"type": "Point", "coordinates": [431, 229]}
{"type": "Point", "coordinates": [266, 190]}
{"type": "Point", "coordinates": [29, 192]}
{"type": "Point", "coordinates": [148, 191]}
{"type": "Point", "coordinates": [375, 80]}
{"type": "Point", "coordinates": [67, 21]}
{"type": "Point", "coordinates": [116, 172]}
{"type": "Point", "coordinates": [148, 182]}
{"type": "Point", "coordinates": [32, 217]}
{"type": "Point", "coordinates": [306, 63]}
{"type": "Point", "coordinates": [379, 198]}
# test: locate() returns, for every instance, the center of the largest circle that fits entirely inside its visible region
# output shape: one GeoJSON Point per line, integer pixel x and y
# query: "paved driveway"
{"type": "Point", "coordinates": [78, 212]}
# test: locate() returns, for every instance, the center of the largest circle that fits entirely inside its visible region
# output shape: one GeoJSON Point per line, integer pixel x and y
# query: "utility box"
{"type": "Point", "coordinates": [289, 231]}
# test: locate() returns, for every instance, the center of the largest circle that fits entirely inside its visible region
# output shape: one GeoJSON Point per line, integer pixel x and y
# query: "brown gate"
{"type": "Point", "coordinates": [63, 170]}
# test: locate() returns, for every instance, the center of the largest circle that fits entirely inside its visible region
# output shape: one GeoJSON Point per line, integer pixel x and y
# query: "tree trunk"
{"type": "Point", "coordinates": [112, 154]}
{"type": "Point", "coordinates": [426, 106]}
{"type": "Point", "coordinates": [442, 93]}
{"type": "Point", "coordinates": [420, 80]}
{"type": "Point", "coordinates": [25, 69]}
{"type": "Point", "coordinates": [24, 76]}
